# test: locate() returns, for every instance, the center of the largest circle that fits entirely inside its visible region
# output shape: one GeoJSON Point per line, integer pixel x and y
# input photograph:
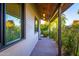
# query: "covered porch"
{"type": "Point", "coordinates": [34, 44]}
{"type": "Point", "coordinates": [49, 12]}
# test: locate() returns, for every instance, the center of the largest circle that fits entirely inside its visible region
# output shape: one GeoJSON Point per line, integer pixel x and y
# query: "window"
{"type": "Point", "coordinates": [12, 22]}
{"type": "Point", "coordinates": [36, 24]}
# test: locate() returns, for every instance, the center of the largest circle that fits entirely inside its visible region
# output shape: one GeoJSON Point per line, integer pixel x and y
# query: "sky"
{"type": "Point", "coordinates": [15, 20]}
{"type": "Point", "coordinates": [72, 14]}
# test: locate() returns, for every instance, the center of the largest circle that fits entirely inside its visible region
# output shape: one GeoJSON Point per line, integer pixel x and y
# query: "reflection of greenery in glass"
{"type": "Point", "coordinates": [36, 24]}
{"type": "Point", "coordinates": [13, 31]}
{"type": "Point", "coordinates": [13, 22]}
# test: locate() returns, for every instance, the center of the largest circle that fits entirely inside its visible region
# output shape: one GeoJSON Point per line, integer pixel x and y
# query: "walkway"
{"type": "Point", "coordinates": [45, 47]}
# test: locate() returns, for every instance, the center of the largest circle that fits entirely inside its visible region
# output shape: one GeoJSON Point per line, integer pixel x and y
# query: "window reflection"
{"type": "Point", "coordinates": [13, 23]}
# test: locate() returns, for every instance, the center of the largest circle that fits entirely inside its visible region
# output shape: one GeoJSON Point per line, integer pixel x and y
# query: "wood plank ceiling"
{"type": "Point", "coordinates": [45, 8]}
{"type": "Point", "coordinates": [49, 9]}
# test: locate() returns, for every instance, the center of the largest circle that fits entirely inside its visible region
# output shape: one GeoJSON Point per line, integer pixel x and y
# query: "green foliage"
{"type": "Point", "coordinates": [54, 30]}
{"type": "Point", "coordinates": [70, 35]}
{"type": "Point", "coordinates": [70, 41]}
{"type": "Point", "coordinates": [63, 21]}
{"type": "Point", "coordinates": [44, 29]}
{"type": "Point", "coordinates": [13, 33]}
{"type": "Point", "coordinates": [54, 35]}
{"type": "Point", "coordinates": [36, 25]}
{"type": "Point", "coordinates": [45, 33]}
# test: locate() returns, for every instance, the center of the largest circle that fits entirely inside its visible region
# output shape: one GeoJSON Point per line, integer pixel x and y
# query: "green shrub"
{"type": "Point", "coordinates": [45, 33]}
{"type": "Point", "coordinates": [53, 35]}
{"type": "Point", "coordinates": [44, 29]}
{"type": "Point", "coordinates": [70, 40]}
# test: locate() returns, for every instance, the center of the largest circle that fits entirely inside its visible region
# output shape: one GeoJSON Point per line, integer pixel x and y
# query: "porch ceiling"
{"type": "Point", "coordinates": [50, 9]}
{"type": "Point", "coordinates": [45, 8]}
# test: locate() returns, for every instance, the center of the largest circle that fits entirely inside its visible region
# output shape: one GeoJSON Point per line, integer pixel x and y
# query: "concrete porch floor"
{"type": "Point", "coordinates": [45, 47]}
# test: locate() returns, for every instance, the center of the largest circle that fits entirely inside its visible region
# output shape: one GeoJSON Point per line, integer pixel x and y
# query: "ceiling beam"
{"type": "Point", "coordinates": [55, 12]}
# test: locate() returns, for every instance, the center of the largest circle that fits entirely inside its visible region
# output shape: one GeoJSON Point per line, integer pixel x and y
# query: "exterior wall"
{"type": "Point", "coordinates": [25, 46]}
{"type": "Point", "coordinates": [31, 36]}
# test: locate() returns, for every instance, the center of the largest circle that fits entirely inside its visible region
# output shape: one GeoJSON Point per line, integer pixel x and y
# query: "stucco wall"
{"type": "Point", "coordinates": [25, 46]}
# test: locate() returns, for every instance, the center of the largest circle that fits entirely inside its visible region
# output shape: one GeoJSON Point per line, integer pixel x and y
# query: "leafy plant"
{"type": "Point", "coordinates": [44, 29]}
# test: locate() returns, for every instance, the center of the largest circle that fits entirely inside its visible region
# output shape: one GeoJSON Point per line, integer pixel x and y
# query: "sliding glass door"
{"type": "Point", "coordinates": [12, 22]}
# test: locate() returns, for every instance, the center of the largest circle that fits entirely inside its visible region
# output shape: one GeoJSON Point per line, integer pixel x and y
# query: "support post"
{"type": "Point", "coordinates": [39, 29]}
{"type": "Point", "coordinates": [59, 32]}
{"type": "Point", "coordinates": [49, 29]}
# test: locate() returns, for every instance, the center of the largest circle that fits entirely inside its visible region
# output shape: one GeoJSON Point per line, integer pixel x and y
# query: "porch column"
{"type": "Point", "coordinates": [59, 31]}
{"type": "Point", "coordinates": [49, 29]}
{"type": "Point", "coordinates": [39, 32]}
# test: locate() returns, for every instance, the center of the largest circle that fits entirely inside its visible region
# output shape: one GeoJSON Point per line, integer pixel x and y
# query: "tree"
{"type": "Point", "coordinates": [63, 21]}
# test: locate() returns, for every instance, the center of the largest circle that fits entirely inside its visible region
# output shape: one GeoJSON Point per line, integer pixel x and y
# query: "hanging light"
{"type": "Point", "coordinates": [44, 15]}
